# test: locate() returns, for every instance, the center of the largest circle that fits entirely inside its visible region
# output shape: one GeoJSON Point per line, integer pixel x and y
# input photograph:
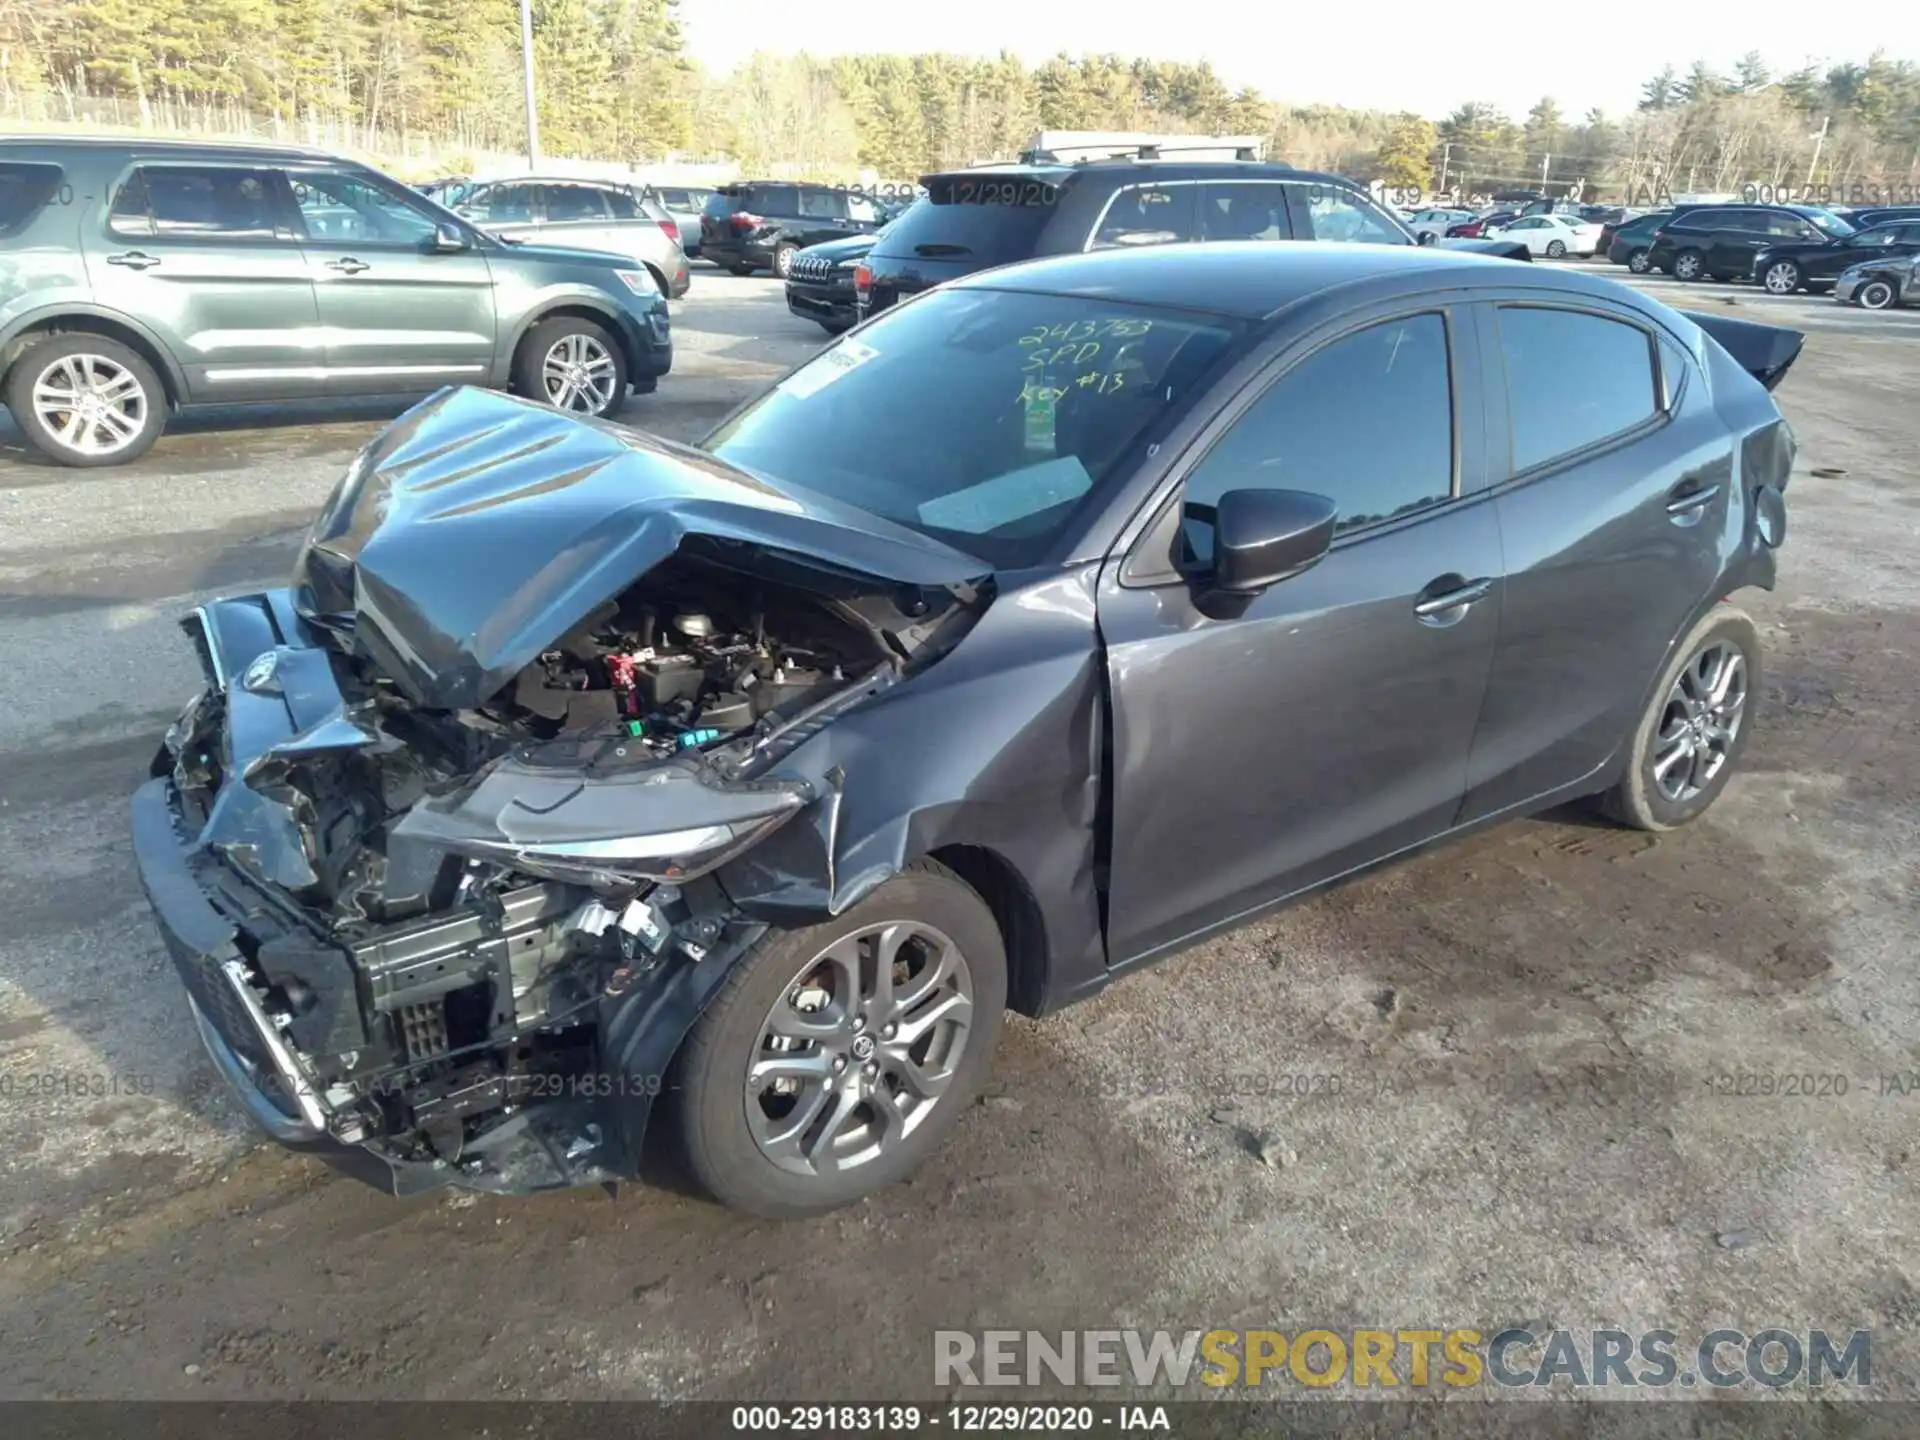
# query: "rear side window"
{"type": "Point", "coordinates": [24, 189]}
{"type": "Point", "coordinates": [772, 200]}
{"type": "Point", "coordinates": [1246, 212]}
{"type": "Point", "coordinates": [1573, 380]}
{"type": "Point", "coordinates": [501, 205]}
{"type": "Point", "coordinates": [977, 224]}
{"type": "Point", "coordinates": [575, 202]}
{"type": "Point", "coordinates": [821, 205]}
{"type": "Point", "coordinates": [190, 201]}
{"type": "Point", "coordinates": [1146, 215]}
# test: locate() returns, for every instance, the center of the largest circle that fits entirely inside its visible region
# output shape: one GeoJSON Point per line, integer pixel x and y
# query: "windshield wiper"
{"type": "Point", "coordinates": [937, 248]}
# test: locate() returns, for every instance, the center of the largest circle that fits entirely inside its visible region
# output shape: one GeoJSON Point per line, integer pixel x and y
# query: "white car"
{"type": "Point", "coordinates": [1552, 235]}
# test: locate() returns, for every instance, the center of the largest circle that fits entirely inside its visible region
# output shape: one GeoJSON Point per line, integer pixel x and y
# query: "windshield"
{"type": "Point", "coordinates": [985, 418]}
{"type": "Point", "coordinates": [1829, 222]}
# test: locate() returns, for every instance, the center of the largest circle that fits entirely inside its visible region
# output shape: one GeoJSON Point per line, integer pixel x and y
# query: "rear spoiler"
{"type": "Point", "coordinates": [1765, 352]}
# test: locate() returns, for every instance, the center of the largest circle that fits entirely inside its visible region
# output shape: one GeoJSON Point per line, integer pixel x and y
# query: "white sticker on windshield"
{"type": "Point", "coordinates": [842, 360]}
{"type": "Point", "coordinates": [985, 507]}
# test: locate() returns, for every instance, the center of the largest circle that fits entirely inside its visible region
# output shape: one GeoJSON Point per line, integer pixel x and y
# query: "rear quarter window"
{"type": "Point", "coordinates": [24, 193]}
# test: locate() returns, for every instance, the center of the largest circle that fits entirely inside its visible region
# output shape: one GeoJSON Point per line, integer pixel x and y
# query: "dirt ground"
{"type": "Point", "coordinates": [1528, 1046]}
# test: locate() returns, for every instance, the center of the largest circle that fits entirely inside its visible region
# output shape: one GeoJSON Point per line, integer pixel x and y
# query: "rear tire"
{"type": "Point", "coordinates": [741, 269]}
{"type": "Point", "coordinates": [783, 260]}
{"type": "Point", "coordinates": [120, 407]}
{"type": "Point", "coordinates": [1688, 265]}
{"type": "Point", "coordinates": [1556, 249]}
{"type": "Point", "coordinates": [836, 327]}
{"type": "Point", "coordinates": [1681, 720]}
{"type": "Point", "coordinates": [1638, 263]}
{"type": "Point", "coordinates": [728, 1124]}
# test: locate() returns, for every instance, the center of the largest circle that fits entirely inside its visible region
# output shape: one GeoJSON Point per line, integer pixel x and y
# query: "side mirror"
{"type": "Point", "coordinates": [1261, 537]}
{"type": "Point", "coordinates": [450, 239]}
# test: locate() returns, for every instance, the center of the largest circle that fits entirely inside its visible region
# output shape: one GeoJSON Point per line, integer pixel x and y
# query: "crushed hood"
{"type": "Point", "coordinates": [478, 529]}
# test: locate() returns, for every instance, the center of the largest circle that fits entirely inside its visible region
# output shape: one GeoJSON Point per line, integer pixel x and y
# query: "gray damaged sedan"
{"type": "Point", "coordinates": [583, 788]}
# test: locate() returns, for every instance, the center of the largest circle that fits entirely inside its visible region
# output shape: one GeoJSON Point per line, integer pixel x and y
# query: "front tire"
{"type": "Point", "coordinates": [85, 401]}
{"type": "Point", "coordinates": [783, 260]}
{"type": "Point", "coordinates": [1876, 295]}
{"type": "Point", "coordinates": [1687, 745]}
{"type": "Point", "coordinates": [572, 364]}
{"type": "Point", "coordinates": [1781, 278]}
{"type": "Point", "coordinates": [836, 1057]}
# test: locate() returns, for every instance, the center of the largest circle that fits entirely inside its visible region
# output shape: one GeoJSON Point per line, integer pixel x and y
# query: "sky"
{"type": "Point", "coordinates": [1381, 54]}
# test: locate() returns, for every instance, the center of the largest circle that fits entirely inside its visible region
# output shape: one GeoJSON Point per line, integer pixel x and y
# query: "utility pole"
{"type": "Point", "coordinates": [1818, 139]}
{"type": "Point", "coordinates": [1546, 162]}
{"type": "Point", "coordinates": [1446, 154]}
{"type": "Point", "coordinates": [526, 54]}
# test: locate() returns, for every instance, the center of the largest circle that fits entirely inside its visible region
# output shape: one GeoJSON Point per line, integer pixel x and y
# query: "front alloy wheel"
{"type": "Point", "coordinates": [836, 1057]}
{"type": "Point", "coordinates": [579, 374]}
{"type": "Point", "coordinates": [856, 1055]}
{"type": "Point", "coordinates": [1781, 278]}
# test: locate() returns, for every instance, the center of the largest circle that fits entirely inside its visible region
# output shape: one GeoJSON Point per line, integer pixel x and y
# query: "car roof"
{"type": "Point", "coordinates": [1130, 170]}
{"type": "Point", "coordinates": [1252, 280]}
{"type": "Point", "coordinates": [147, 144]}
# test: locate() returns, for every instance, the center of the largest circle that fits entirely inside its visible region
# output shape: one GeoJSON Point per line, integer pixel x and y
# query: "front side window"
{"type": "Point", "coordinates": [1830, 223]}
{"type": "Point", "coordinates": [1366, 420]}
{"type": "Point", "coordinates": [24, 189]}
{"type": "Point", "coordinates": [336, 206]}
{"type": "Point", "coordinates": [1146, 215]}
{"type": "Point", "coordinates": [1244, 212]}
{"type": "Point", "coordinates": [860, 208]}
{"type": "Point", "coordinates": [1573, 380]}
{"type": "Point", "coordinates": [1346, 219]}
{"type": "Point", "coordinates": [193, 202]}
{"type": "Point", "coordinates": [821, 205]}
{"type": "Point", "coordinates": [1039, 401]}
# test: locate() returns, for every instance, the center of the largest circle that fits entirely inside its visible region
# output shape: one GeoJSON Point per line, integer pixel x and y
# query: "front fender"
{"type": "Point", "coordinates": [998, 746]}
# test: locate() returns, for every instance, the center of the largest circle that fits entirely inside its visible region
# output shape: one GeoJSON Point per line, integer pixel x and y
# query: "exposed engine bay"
{"type": "Point", "coordinates": [443, 1000]}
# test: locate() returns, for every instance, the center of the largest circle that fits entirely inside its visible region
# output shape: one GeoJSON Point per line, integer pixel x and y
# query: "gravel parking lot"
{"type": "Point", "coordinates": [1538, 1068]}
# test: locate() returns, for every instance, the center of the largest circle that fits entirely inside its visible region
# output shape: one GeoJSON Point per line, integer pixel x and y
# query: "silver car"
{"type": "Point", "coordinates": [684, 203]}
{"type": "Point", "coordinates": [579, 215]}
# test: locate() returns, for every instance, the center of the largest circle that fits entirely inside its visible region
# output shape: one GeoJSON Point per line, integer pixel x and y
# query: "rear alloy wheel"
{"type": "Point", "coordinates": [783, 260]}
{"type": "Point", "coordinates": [1638, 263]}
{"type": "Point", "coordinates": [84, 400]}
{"type": "Point", "coordinates": [835, 1058]}
{"type": "Point", "coordinates": [1876, 295]}
{"type": "Point", "coordinates": [1781, 278]}
{"type": "Point", "coordinates": [1689, 265]}
{"type": "Point", "coordinates": [573, 365]}
{"type": "Point", "coordinates": [1556, 249]}
{"type": "Point", "coordinates": [1686, 745]}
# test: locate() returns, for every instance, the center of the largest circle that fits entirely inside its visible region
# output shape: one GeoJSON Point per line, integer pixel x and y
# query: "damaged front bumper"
{"type": "Point", "coordinates": [510, 1037]}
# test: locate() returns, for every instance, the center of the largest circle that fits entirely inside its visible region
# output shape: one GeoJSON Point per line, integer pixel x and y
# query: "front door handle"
{"type": "Point", "coordinates": [134, 260]}
{"type": "Point", "coordinates": [1458, 597]}
{"type": "Point", "coordinates": [1684, 505]}
{"type": "Point", "coordinates": [347, 265]}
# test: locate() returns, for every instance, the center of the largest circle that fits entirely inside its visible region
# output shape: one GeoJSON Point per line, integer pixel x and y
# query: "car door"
{"type": "Point", "coordinates": [206, 255]}
{"type": "Point", "coordinates": [1735, 240]}
{"type": "Point", "coordinates": [1878, 243]}
{"type": "Point", "coordinates": [398, 312]}
{"type": "Point", "coordinates": [1327, 722]}
{"type": "Point", "coordinates": [1613, 481]}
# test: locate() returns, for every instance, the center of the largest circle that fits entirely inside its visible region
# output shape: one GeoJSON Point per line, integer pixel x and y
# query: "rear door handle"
{"type": "Point", "coordinates": [134, 260]}
{"type": "Point", "coordinates": [1457, 598]}
{"type": "Point", "coordinates": [1684, 505]}
{"type": "Point", "coordinates": [347, 265]}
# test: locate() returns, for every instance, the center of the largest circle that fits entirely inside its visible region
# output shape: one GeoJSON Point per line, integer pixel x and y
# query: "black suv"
{"type": "Point", "coordinates": [977, 219]}
{"type": "Point", "coordinates": [1721, 241]}
{"type": "Point", "coordinates": [761, 224]}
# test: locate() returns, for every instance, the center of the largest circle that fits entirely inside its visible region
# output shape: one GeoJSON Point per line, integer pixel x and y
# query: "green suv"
{"type": "Point", "coordinates": [140, 276]}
